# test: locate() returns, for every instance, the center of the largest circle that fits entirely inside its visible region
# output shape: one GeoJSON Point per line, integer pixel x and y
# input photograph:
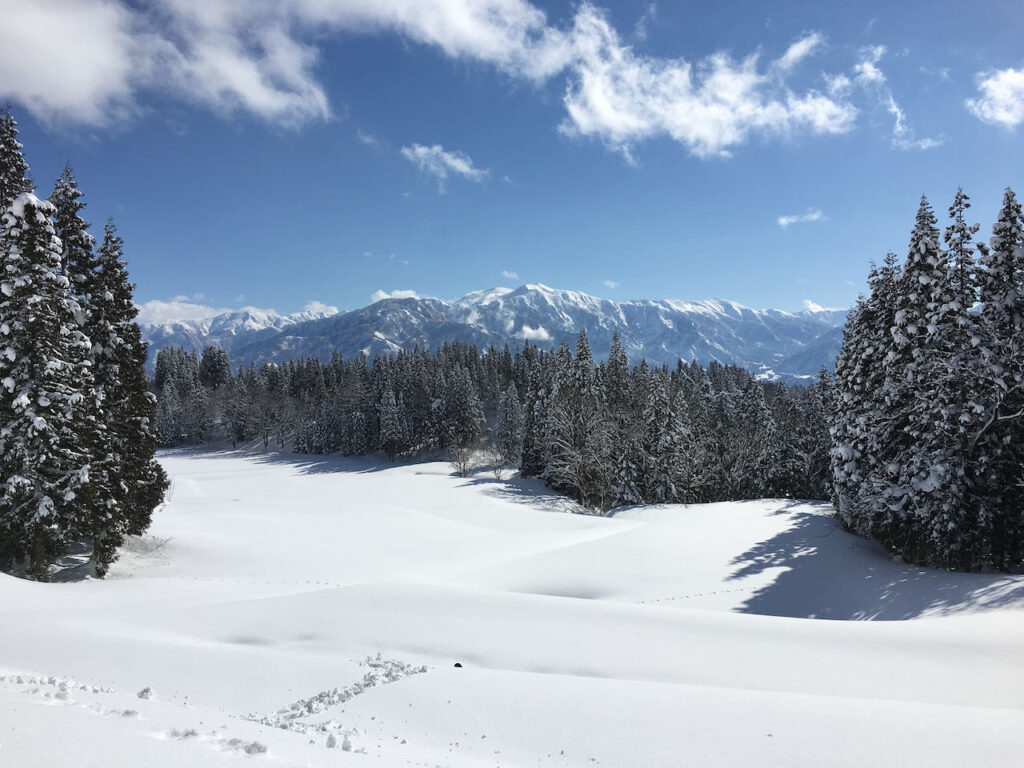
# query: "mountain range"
{"type": "Point", "coordinates": [772, 343]}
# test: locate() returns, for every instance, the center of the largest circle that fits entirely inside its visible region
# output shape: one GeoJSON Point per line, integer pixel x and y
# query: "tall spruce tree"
{"type": "Point", "coordinates": [1001, 432]}
{"type": "Point", "coordinates": [47, 423]}
{"type": "Point", "coordinates": [118, 360]}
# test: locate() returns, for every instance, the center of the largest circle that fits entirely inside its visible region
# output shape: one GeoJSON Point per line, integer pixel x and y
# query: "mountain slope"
{"type": "Point", "coordinates": [773, 343]}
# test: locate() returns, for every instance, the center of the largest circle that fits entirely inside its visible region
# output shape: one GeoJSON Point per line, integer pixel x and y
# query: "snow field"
{"type": "Point", "coordinates": [309, 611]}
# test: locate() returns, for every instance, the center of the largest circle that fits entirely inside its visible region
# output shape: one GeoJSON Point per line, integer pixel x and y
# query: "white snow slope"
{"type": "Point", "coordinates": [298, 611]}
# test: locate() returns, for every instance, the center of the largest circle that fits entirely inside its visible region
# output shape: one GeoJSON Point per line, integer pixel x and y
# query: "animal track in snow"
{"type": "Point", "coordinates": [295, 716]}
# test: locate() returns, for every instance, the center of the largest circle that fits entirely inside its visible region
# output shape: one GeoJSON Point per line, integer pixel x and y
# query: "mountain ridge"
{"type": "Point", "coordinates": [772, 343]}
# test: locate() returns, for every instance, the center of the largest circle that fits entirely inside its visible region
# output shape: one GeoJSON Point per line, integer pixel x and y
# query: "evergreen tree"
{"type": "Point", "coordinates": [14, 177]}
{"type": "Point", "coordinates": [509, 433]}
{"type": "Point", "coordinates": [44, 458]}
{"type": "Point", "coordinates": [118, 360]}
{"type": "Point", "coordinates": [392, 426]}
{"type": "Point", "coordinates": [1000, 434]}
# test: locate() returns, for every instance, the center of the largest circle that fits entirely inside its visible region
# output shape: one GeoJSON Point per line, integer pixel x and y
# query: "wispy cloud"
{"type": "Point", "coordinates": [649, 15]}
{"type": "Point", "coordinates": [902, 134]}
{"type": "Point", "coordinates": [400, 294]}
{"type": "Point", "coordinates": [804, 47]}
{"type": "Point", "coordinates": [367, 139]}
{"type": "Point", "coordinates": [1002, 98]}
{"type": "Point", "coordinates": [440, 163]}
{"type": "Point", "coordinates": [812, 214]}
{"type": "Point", "coordinates": [869, 76]}
{"type": "Point", "coordinates": [509, 274]}
{"type": "Point", "coordinates": [610, 284]}
{"type": "Point", "coordinates": [942, 73]}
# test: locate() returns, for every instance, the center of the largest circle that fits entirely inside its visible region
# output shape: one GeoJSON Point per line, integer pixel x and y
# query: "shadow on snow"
{"type": "Point", "coordinates": [831, 574]}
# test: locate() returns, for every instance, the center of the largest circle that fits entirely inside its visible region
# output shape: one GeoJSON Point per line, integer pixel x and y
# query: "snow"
{"type": "Point", "coordinates": [300, 610]}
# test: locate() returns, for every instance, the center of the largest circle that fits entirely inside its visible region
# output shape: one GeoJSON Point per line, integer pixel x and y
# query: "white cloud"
{"type": "Point", "coordinates": [812, 214]}
{"type": "Point", "coordinates": [942, 73]}
{"type": "Point", "coordinates": [640, 29]}
{"type": "Point", "coordinates": [178, 308]}
{"type": "Point", "coordinates": [902, 134]}
{"type": "Point", "coordinates": [86, 61]}
{"type": "Point", "coordinates": [401, 294]}
{"type": "Point", "coordinates": [319, 308]}
{"type": "Point", "coordinates": [611, 284]}
{"type": "Point", "coordinates": [800, 50]}
{"type": "Point", "coordinates": [620, 97]}
{"type": "Point", "coordinates": [66, 59]}
{"type": "Point", "coordinates": [866, 71]}
{"type": "Point", "coordinates": [869, 76]}
{"type": "Point", "coordinates": [1002, 98]}
{"type": "Point", "coordinates": [533, 334]}
{"type": "Point", "coordinates": [439, 163]}
{"type": "Point", "coordinates": [509, 274]}
{"type": "Point", "coordinates": [367, 139]}
{"type": "Point", "coordinates": [810, 306]}
{"type": "Point", "coordinates": [89, 61]}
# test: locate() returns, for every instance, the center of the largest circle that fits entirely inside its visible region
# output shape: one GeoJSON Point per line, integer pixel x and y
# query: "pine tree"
{"type": "Point", "coordinates": [1000, 436]}
{"type": "Point", "coordinates": [580, 459]}
{"type": "Point", "coordinates": [118, 358]}
{"type": "Point", "coordinates": [44, 461]}
{"type": "Point", "coordinates": [509, 433]}
{"type": "Point", "coordinates": [14, 177]}
{"type": "Point", "coordinates": [392, 426]}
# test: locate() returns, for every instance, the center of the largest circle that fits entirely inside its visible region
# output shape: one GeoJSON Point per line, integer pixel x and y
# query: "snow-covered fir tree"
{"type": "Point", "coordinates": [48, 426]}
{"type": "Point", "coordinates": [923, 411]}
{"type": "Point", "coordinates": [14, 178]}
{"type": "Point", "coordinates": [118, 357]}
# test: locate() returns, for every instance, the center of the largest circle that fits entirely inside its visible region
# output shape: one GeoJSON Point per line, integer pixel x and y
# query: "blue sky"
{"type": "Point", "coordinates": [277, 153]}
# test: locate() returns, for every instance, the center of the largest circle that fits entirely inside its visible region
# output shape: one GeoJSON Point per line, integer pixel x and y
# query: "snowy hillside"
{"type": "Point", "coordinates": [292, 610]}
{"type": "Point", "coordinates": [772, 342]}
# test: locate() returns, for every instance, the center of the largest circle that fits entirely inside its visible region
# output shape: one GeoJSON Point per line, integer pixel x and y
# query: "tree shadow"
{"type": "Point", "coordinates": [832, 574]}
{"type": "Point", "coordinates": [74, 565]}
{"type": "Point", "coordinates": [525, 490]}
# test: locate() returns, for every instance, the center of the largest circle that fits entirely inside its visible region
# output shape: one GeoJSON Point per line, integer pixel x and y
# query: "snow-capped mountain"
{"type": "Point", "coordinates": [769, 342]}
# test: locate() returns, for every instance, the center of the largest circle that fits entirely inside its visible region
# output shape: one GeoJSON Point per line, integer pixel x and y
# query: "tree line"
{"type": "Point", "coordinates": [605, 433]}
{"type": "Point", "coordinates": [77, 433]}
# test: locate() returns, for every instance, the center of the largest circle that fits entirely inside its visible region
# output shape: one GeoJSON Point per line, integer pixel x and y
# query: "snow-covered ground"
{"type": "Point", "coordinates": [297, 611]}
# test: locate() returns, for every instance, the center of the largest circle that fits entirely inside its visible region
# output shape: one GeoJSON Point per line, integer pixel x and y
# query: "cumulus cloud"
{"type": "Point", "coordinates": [812, 214]}
{"type": "Point", "coordinates": [91, 61]}
{"type": "Point", "coordinates": [400, 294]}
{"type": "Point", "coordinates": [620, 97]}
{"type": "Point", "coordinates": [509, 274]}
{"type": "Point", "coordinates": [1002, 98]}
{"type": "Point", "coordinates": [66, 59]}
{"type": "Point", "coordinates": [533, 334]}
{"type": "Point", "coordinates": [177, 309]}
{"type": "Point", "coordinates": [440, 163]}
